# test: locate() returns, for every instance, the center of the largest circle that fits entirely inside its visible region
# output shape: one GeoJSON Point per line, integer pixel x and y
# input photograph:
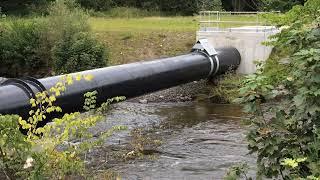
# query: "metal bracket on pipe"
{"type": "Point", "coordinates": [205, 47]}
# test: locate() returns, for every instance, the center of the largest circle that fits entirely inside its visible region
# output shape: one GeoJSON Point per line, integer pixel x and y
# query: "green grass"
{"type": "Point", "coordinates": [146, 24]}
{"type": "Point", "coordinates": [134, 39]}
{"type": "Point", "coordinates": [151, 24]}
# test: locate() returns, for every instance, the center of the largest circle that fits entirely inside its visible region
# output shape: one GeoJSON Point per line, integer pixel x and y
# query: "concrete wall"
{"type": "Point", "coordinates": [248, 40]}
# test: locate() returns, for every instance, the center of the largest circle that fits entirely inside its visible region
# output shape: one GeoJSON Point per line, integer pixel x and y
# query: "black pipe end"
{"type": "Point", "coordinates": [229, 59]}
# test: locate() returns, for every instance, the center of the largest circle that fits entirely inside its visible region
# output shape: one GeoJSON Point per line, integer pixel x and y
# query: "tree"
{"type": "Point", "coordinates": [264, 5]}
{"type": "Point", "coordinates": [240, 5]}
{"type": "Point", "coordinates": [278, 5]}
{"type": "Point", "coordinates": [97, 5]}
{"type": "Point", "coordinates": [214, 5]}
{"type": "Point", "coordinates": [21, 7]}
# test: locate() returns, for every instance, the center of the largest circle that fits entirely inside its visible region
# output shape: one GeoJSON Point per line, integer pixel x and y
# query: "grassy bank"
{"type": "Point", "coordinates": [133, 39]}
{"type": "Point", "coordinates": [137, 39]}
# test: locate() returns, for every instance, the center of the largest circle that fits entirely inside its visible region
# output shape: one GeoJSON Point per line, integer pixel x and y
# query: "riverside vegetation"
{"type": "Point", "coordinates": [59, 43]}
{"type": "Point", "coordinates": [285, 135]}
{"type": "Point", "coordinates": [48, 152]}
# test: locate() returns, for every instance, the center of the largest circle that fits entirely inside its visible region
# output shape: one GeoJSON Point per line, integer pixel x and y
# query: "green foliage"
{"type": "Point", "coordinates": [179, 7]}
{"type": "Point", "coordinates": [226, 89]}
{"type": "Point", "coordinates": [210, 5]}
{"type": "Point", "coordinates": [237, 172]}
{"type": "Point", "coordinates": [21, 48]}
{"type": "Point", "coordinates": [279, 5]}
{"type": "Point", "coordinates": [129, 12]}
{"type": "Point", "coordinates": [74, 48]}
{"type": "Point", "coordinates": [175, 7]}
{"type": "Point", "coordinates": [97, 5]}
{"type": "Point", "coordinates": [186, 7]}
{"type": "Point", "coordinates": [23, 7]}
{"type": "Point", "coordinates": [90, 100]}
{"type": "Point", "coordinates": [14, 150]}
{"type": "Point", "coordinates": [60, 43]}
{"type": "Point", "coordinates": [48, 152]}
{"type": "Point", "coordinates": [77, 53]}
{"type": "Point", "coordinates": [285, 133]}
{"type": "Point", "coordinates": [277, 67]}
{"type": "Point", "coordinates": [140, 8]}
{"type": "Point", "coordinates": [65, 19]}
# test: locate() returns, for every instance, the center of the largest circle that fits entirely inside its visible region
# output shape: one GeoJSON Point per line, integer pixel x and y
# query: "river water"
{"type": "Point", "coordinates": [199, 140]}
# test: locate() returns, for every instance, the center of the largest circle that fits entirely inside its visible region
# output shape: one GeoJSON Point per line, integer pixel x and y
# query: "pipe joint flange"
{"type": "Point", "coordinates": [22, 85]}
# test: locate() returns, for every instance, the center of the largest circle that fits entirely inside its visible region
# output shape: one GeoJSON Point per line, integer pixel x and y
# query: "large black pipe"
{"type": "Point", "coordinates": [129, 80]}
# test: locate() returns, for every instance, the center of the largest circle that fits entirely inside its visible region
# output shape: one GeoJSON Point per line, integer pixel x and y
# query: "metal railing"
{"type": "Point", "coordinates": [229, 21]}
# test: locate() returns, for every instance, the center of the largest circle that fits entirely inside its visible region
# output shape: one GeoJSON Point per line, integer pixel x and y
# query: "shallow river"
{"type": "Point", "coordinates": [199, 140]}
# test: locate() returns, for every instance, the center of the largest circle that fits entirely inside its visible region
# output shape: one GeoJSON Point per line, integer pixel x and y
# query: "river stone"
{"type": "Point", "coordinates": [2, 80]}
{"type": "Point", "coordinates": [143, 101]}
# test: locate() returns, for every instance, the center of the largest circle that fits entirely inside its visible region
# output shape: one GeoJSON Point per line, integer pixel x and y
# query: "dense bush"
{"type": "Point", "coordinates": [65, 18]}
{"type": "Point", "coordinates": [285, 134]}
{"type": "Point", "coordinates": [97, 5]}
{"type": "Point", "coordinates": [78, 52]}
{"type": "Point", "coordinates": [21, 49]}
{"type": "Point", "coordinates": [214, 5]}
{"type": "Point", "coordinates": [278, 5]}
{"type": "Point", "coordinates": [74, 48]}
{"type": "Point", "coordinates": [60, 42]}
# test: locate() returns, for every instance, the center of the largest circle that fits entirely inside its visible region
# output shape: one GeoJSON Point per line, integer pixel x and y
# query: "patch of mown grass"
{"type": "Point", "coordinates": [146, 24]}
{"type": "Point", "coordinates": [136, 39]}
